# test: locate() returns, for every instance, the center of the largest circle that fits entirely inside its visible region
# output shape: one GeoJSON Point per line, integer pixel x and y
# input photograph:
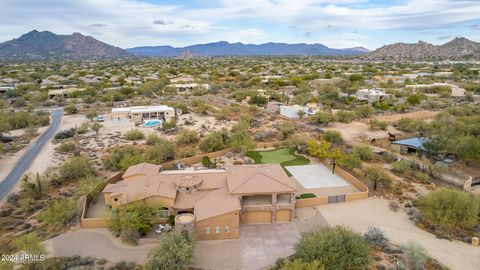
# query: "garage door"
{"type": "Point", "coordinates": [256, 217]}
{"type": "Point", "coordinates": [284, 215]}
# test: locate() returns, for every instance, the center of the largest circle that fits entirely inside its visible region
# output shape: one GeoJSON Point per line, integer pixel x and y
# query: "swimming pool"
{"type": "Point", "coordinates": [152, 123]}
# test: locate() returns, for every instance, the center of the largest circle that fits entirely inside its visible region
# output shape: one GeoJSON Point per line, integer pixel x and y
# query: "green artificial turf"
{"type": "Point", "coordinates": [283, 156]}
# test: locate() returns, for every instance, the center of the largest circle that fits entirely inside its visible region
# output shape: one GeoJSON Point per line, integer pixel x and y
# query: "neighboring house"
{"type": "Point", "coordinates": [140, 113]}
{"type": "Point", "coordinates": [220, 200]}
{"type": "Point", "coordinates": [371, 95]}
{"type": "Point", "coordinates": [292, 111]}
{"type": "Point", "coordinates": [63, 92]}
{"type": "Point", "coordinates": [188, 87]}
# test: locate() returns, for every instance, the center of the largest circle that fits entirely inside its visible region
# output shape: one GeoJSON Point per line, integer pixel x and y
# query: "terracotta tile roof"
{"type": "Point", "coordinates": [258, 179]}
{"type": "Point", "coordinates": [142, 169]}
{"type": "Point", "coordinates": [186, 200]}
{"type": "Point", "coordinates": [216, 203]}
{"type": "Point", "coordinates": [141, 188]}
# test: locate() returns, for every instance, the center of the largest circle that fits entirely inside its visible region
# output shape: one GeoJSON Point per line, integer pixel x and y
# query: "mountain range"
{"type": "Point", "coordinates": [223, 48]}
{"type": "Point", "coordinates": [47, 45]}
{"type": "Point", "coordinates": [458, 48]}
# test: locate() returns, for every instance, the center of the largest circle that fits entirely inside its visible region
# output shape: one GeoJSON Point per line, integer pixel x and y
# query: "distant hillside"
{"type": "Point", "coordinates": [47, 45]}
{"type": "Point", "coordinates": [458, 48]}
{"type": "Point", "coordinates": [223, 48]}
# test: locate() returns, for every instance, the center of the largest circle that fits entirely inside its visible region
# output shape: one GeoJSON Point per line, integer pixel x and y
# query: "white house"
{"type": "Point", "coordinates": [292, 111]}
{"type": "Point", "coordinates": [371, 95]}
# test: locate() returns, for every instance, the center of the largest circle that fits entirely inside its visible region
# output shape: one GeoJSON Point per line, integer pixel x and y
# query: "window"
{"type": "Point", "coordinates": [116, 199]}
{"type": "Point", "coordinates": [207, 230]}
{"type": "Point", "coordinates": [163, 213]}
{"type": "Point", "coordinates": [218, 229]}
{"type": "Point", "coordinates": [227, 229]}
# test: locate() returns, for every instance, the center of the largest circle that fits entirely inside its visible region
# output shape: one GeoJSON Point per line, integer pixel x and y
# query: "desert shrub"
{"type": "Point", "coordinates": [174, 252]}
{"type": "Point", "coordinates": [76, 168]}
{"type": "Point", "coordinates": [364, 111]}
{"type": "Point", "coordinates": [298, 264]}
{"type": "Point", "coordinates": [59, 212]}
{"type": "Point", "coordinates": [375, 123]}
{"type": "Point", "coordinates": [376, 237]}
{"type": "Point", "coordinates": [71, 109]}
{"type": "Point", "coordinates": [449, 208]}
{"type": "Point", "coordinates": [64, 134]}
{"type": "Point", "coordinates": [215, 141]}
{"type": "Point", "coordinates": [363, 152]}
{"type": "Point", "coordinates": [169, 125]}
{"type": "Point", "coordinates": [82, 129]}
{"type": "Point", "coordinates": [322, 118]}
{"type": "Point", "coordinates": [186, 137]}
{"type": "Point", "coordinates": [416, 254]}
{"type": "Point", "coordinates": [345, 116]}
{"type": "Point", "coordinates": [334, 248]}
{"type": "Point", "coordinates": [334, 137]}
{"type": "Point", "coordinates": [67, 146]}
{"type": "Point", "coordinates": [406, 124]}
{"type": "Point", "coordinates": [90, 186]}
{"type": "Point", "coordinates": [134, 134]}
{"type": "Point", "coordinates": [402, 166]}
{"type": "Point", "coordinates": [287, 129]}
{"type": "Point", "coordinates": [422, 177]}
{"type": "Point", "coordinates": [120, 158]}
{"type": "Point", "coordinates": [389, 156]}
{"type": "Point", "coordinates": [160, 152]}
{"type": "Point", "coordinates": [350, 162]}
{"type": "Point", "coordinates": [393, 205]}
{"type": "Point", "coordinates": [152, 139]}
{"type": "Point", "coordinates": [126, 220]}
{"type": "Point", "coordinates": [240, 139]}
{"type": "Point", "coordinates": [29, 243]}
{"type": "Point", "coordinates": [377, 175]}
{"type": "Point", "coordinates": [298, 141]}
{"type": "Point", "coordinates": [186, 152]}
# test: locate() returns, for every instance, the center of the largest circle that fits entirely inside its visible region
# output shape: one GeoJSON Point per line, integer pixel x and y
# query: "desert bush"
{"type": "Point", "coordinates": [134, 135]}
{"type": "Point", "coordinates": [376, 237]}
{"type": "Point", "coordinates": [186, 152]}
{"type": "Point", "coordinates": [215, 141]}
{"type": "Point", "coordinates": [375, 123]}
{"type": "Point", "coordinates": [298, 141]}
{"type": "Point", "coordinates": [334, 248]}
{"type": "Point", "coordinates": [64, 134]}
{"type": "Point", "coordinates": [82, 129]}
{"type": "Point", "coordinates": [76, 168]}
{"type": "Point", "coordinates": [29, 243]}
{"type": "Point", "coordinates": [345, 116]}
{"type": "Point", "coordinates": [363, 152]}
{"type": "Point", "coordinates": [174, 252]}
{"type": "Point", "coordinates": [334, 137]}
{"type": "Point", "coordinates": [287, 129]}
{"type": "Point", "coordinates": [152, 139]}
{"type": "Point", "coordinates": [421, 177]}
{"type": "Point", "coordinates": [71, 109]}
{"type": "Point", "coordinates": [322, 118]}
{"type": "Point", "coordinates": [186, 137]}
{"type": "Point", "coordinates": [67, 146]}
{"type": "Point", "coordinates": [350, 162]}
{"type": "Point", "coordinates": [393, 205]}
{"type": "Point", "coordinates": [59, 212]}
{"type": "Point", "coordinates": [416, 254]}
{"type": "Point", "coordinates": [169, 125]}
{"type": "Point", "coordinates": [137, 217]}
{"type": "Point", "coordinates": [298, 264]}
{"type": "Point", "coordinates": [364, 111]}
{"type": "Point", "coordinates": [90, 186]}
{"type": "Point", "coordinates": [120, 158]}
{"type": "Point", "coordinates": [402, 166]}
{"type": "Point", "coordinates": [389, 156]}
{"type": "Point", "coordinates": [450, 209]}
{"type": "Point", "coordinates": [160, 152]}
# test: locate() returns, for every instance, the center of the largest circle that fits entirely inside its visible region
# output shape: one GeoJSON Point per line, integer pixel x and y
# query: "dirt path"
{"type": "Point", "coordinates": [420, 115]}
{"type": "Point", "coordinates": [359, 215]}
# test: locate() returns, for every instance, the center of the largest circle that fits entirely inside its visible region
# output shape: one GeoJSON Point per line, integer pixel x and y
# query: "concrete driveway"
{"type": "Point", "coordinates": [263, 244]}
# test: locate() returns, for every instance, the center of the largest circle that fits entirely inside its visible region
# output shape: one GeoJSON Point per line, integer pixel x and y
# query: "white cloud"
{"type": "Point", "coordinates": [131, 22]}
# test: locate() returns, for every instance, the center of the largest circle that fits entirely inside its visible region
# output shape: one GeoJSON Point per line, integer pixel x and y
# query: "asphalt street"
{"type": "Point", "coordinates": [24, 162]}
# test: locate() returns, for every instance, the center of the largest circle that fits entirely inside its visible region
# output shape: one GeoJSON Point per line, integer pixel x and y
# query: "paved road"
{"type": "Point", "coordinates": [24, 163]}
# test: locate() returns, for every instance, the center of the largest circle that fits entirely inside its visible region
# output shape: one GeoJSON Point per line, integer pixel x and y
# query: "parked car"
{"type": "Point", "coordinates": [100, 118]}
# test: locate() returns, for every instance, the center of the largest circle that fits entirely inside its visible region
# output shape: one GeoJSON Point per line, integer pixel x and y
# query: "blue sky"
{"type": "Point", "coordinates": [337, 24]}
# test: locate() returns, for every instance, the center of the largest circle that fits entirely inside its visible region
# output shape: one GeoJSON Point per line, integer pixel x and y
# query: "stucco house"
{"type": "Point", "coordinates": [219, 199]}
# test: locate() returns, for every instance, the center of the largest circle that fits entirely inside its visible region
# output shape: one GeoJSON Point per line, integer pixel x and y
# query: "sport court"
{"type": "Point", "coordinates": [316, 176]}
